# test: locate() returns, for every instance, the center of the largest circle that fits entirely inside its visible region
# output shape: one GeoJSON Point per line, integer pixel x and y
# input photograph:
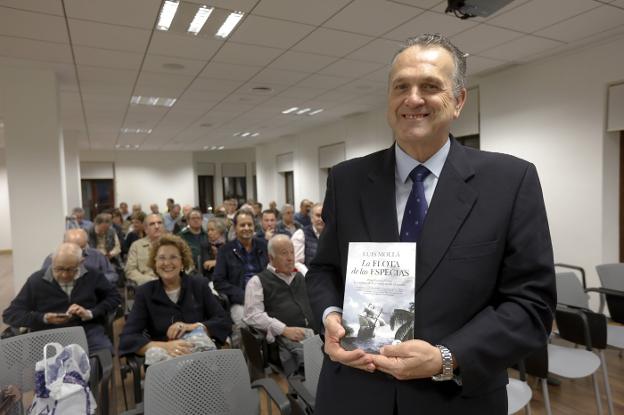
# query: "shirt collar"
{"type": "Point", "coordinates": [405, 163]}
{"type": "Point", "coordinates": [280, 274]}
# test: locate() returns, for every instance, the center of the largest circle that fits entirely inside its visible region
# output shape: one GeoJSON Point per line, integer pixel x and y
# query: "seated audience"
{"type": "Point", "coordinates": [195, 236]}
{"type": "Point", "coordinates": [230, 207]}
{"type": "Point", "coordinates": [276, 302]}
{"type": "Point", "coordinates": [215, 229]}
{"type": "Point", "coordinates": [136, 208]}
{"type": "Point", "coordinates": [268, 223]}
{"type": "Point", "coordinates": [137, 266]}
{"type": "Point", "coordinates": [123, 209]}
{"type": "Point", "coordinates": [65, 294]}
{"type": "Point", "coordinates": [77, 220]}
{"type": "Point", "coordinates": [172, 218]}
{"type": "Point", "coordinates": [138, 231]}
{"type": "Point", "coordinates": [170, 202]}
{"type": "Point", "coordinates": [104, 238]}
{"type": "Point", "coordinates": [303, 216]}
{"type": "Point", "coordinates": [92, 258]}
{"type": "Point", "coordinates": [118, 225]}
{"type": "Point", "coordinates": [154, 208]}
{"type": "Point", "coordinates": [273, 207]}
{"type": "Point", "coordinates": [305, 240]}
{"type": "Point", "coordinates": [287, 226]}
{"type": "Point", "coordinates": [172, 305]}
{"type": "Point", "coordinates": [237, 262]}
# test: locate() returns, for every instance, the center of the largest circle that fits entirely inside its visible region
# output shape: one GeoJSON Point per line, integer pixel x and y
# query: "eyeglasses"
{"type": "Point", "coordinates": [63, 270]}
{"type": "Point", "coordinates": [171, 258]}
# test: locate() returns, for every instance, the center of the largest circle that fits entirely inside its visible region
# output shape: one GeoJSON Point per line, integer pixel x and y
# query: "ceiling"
{"type": "Point", "coordinates": [330, 54]}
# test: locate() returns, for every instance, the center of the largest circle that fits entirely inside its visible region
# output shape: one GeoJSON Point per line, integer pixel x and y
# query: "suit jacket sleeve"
{"type": "Point", "coordinates": [518, 319]}
{"type": "Point", "coordinates": [222, 277]}
{"type": "Point", "coordinates": [324, 281]}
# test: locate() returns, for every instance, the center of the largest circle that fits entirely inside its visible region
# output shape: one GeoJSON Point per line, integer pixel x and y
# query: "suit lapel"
{"type": "Point", "coordinates": [379, 197]}
{"type": "Point", "coordinates": [452, 201]}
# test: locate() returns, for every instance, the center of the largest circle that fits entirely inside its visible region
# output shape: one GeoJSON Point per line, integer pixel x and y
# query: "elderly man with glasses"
{"type": "Point", "coordinates": [65, 294]}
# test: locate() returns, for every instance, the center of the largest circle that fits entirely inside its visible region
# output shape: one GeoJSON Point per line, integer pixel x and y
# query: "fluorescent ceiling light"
{"type": "Point", "coordinates": [289, 110]}
{"type": "Point", "coordinates": [245, 134]}
{"type": "Point", "coordinates": [316, 111]}
{"type": "Point", "coordinates": [136, 146]}
{"type": "Point", "coordinates": [203, 13]}
{"type": "Point", "coordinates": [153, 101]}
{"type": "Point", "coordinates": [236, 134]}
{"type": "Point", "coordinates": [255, 134]}
{"type": "Point", "coordinates": [229, 24]}
{"type": "Point", "coordinates": [167, 13]}
{"type": "Point", "coordinates": [136, 130]}
{"type": "Point", "coordinates": [221, 148]}
{"type": "Point", "coordinates": [303, 111]}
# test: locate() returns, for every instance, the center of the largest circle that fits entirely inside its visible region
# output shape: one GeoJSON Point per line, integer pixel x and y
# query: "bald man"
{"type": "Point", "coordinates": [92, 258]}
{"type": "Point", "coordinates": [65, 294]}
{"type": "Point", "coordinates": [276, 303]}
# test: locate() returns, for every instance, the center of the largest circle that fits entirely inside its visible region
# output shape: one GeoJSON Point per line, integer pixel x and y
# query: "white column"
{"type": "Point", "coordinates": [72, 170]}
{"type": "Point", "coordinates": [29, 104]}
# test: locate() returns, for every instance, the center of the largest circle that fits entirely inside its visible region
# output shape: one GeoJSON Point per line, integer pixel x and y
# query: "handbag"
{"type": "Point", "coordinates": [61, 382]}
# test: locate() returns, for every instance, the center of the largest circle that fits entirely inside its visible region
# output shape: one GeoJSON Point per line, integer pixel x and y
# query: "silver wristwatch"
{"type": "Point", "coordinates": [447, 365]}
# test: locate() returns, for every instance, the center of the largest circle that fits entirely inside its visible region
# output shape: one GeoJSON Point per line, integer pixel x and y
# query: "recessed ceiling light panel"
{"type": "Point", "coordinates": [203, 13]}
{"type": "Point", "coordinates": [153, 101]}
{"type": "Point", "coordinates": [229, 24]}
{"type": "Point", "coordinates": [167, 13]}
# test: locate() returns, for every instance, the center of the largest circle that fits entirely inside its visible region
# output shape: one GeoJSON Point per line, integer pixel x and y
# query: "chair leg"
{"type": "Point", "coordinates": [597, 393]}
{"type": "Point", "coordinates": [606, 382]}
{"type": "Point", "coordinates": [546, 395]}
{"type": "Point", "coordinates": [527, 408]}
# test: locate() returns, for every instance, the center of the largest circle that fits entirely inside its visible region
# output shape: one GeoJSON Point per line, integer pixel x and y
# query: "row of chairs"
{"type": "Point", "coordinates": [577, 324]}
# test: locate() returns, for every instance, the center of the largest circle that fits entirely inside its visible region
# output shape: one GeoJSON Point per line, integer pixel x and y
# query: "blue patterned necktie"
{"type": "Point", "coordinates": [416, 206]}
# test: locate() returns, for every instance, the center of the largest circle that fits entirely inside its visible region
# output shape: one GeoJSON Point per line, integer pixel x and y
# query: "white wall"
{"type": "Point", "coordinates": [148, 177]}
{"type": "Point", "coordinates": [5, 217]}
{"type": "Point", "coordinates": [362, 134]}
{"type": "Point", "coordinates": [245, 155]}
{"type": "Point", "coordinates": [550, 112]}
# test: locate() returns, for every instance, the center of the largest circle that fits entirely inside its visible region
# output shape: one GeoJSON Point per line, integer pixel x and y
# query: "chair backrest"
{"type": "Point", "coordinates": [312, 361]}
{"type": "Point", "coordinates": [572, 322]}
{"type": "Point", "coordinates": [570, 290]}
{"type": "Point", "coordinates": [19, 354]}
{"type": "Point", "coordinates": [536, 364]}
{"type": "Point", "coordinates": [611, 276]}
{"type": "Point", "coordinates": [212, 382]}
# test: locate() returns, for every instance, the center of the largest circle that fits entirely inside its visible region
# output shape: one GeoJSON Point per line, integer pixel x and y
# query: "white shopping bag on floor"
{"type": "Point", "coordinates": [62, 382]}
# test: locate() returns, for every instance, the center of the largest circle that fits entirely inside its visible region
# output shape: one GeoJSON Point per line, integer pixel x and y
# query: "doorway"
{"type": "Point", "coordinates": [98, 195]}
{"type": "Point", "coordinates": [205, 184]}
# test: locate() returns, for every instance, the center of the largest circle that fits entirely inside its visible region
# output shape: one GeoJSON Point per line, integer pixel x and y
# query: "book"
{"type": "Point", "coordinates": [378, 306]}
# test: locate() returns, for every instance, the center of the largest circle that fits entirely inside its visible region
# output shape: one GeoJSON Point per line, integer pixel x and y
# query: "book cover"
{"type": "Point", "coordinates": [378, 307]}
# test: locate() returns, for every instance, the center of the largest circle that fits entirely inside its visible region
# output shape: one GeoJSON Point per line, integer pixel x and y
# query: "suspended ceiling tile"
{"type": "Point", "coordinates": [235, 5]}
{"type": "Point", "coordinates": [263, 31]}
{"type": "Point", "coordinates": [107, 36]}
{"type": "Point", "coordinates": [483, 37]}
{"type": "Point", "coordinates": [301, 62]}
{"type": "Point", "coordinates": [303, 11]}
{"type": "Point", "coordinates": [184, 46]}
{"type": "Point", "coordinates": [108, 76]}
{"type": "Point", "coordinates": [300, 92]}
{"type": "Point", "coordinates": [228, 71]}
{"type": "Point", "coordinates": [476, 64]}
{"type": "Point", "coordinates": [278, 76]}
{"type": "Point", "coordinates": [517, 49]}
{"type": "Point", "coordinates": [163, 64]}
{"type": "Point", "coordinates": [331, 42]}
{"type": "Point", "coordinates": [40, 6]}
{"type": "Point", "coordinates": [379, 50]}
{"type": "Point", "coordinates": [133, 13]}
{"type": "Point", "coordinates": [429, 22]}
{"type": "Point", "coordinates": [372, 18]}
{"type": "Point", "coordinates": [40, 50]}
{"type": "Point", "coordinates": [350, 68]}
{"type": "Point", "coordinates": [537, 15]}
{"type": "Point", "coordinates": [32, 25]}
{"type": "Point", "coordinates": [323, 81]}
{"type": "Point", "coordinates": [594, 21]}
{"type": "Point", "coordinates": [107, 58]}
{"type": "Point", "coordinates": [239, 54]}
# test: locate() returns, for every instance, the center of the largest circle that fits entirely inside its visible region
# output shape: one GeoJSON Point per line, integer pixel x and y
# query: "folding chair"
{"type": "Point", "coordinates": [19, 354]}
{"type": "Point", "coordinates": [261, 356]}
{"type": "Point", "coordinates": [519, 393]}
{"type": "Point", "coordinates": [579, 325]}
{"type": "Point", "coordinates": [216, 381]}
{"type": "Point", "coordinates": [612, 293]}
{"type": "Point", "coordinates": [305, 389]}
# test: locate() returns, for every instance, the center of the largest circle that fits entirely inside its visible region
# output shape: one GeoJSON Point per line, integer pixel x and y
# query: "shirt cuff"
{"type": "Point", "coordinates": [89, 316]}
{"type": "Point", "coordinates": [330, 310]}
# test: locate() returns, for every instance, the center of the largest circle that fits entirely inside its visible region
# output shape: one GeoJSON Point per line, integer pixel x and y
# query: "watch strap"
{"type": "Point", "coordinates": [447, 365]}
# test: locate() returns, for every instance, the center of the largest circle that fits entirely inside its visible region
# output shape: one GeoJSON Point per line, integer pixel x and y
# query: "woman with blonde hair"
{"type": "Point", "coordinates": [174, 304]}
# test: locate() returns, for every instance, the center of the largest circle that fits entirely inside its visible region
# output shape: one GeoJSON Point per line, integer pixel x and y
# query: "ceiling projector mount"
{"type": "Point", "coordinates": [465, 9]}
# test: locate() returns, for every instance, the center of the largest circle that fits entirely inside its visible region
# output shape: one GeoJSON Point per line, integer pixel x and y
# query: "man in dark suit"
{"type": "Point", "coordinates": [485, 289]}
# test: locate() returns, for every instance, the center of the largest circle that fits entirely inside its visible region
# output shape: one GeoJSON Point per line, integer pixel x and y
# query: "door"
{"type": "Point", "coordinates": [98, 195]}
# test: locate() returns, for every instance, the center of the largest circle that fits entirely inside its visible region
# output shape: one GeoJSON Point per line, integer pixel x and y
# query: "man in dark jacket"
{"type": "Point", "coordinates": [237, 262]}
{"type": "Point", "coordinates": [65, 294]}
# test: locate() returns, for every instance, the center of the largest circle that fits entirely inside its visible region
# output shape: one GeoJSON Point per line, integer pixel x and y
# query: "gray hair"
{"type": "Point", "coordinates": [218, 223]}
{"type": "Point", "coordinates": [67, 248]}
{"type": "Point", "coordinates": [429, 40]}
{"type": "Point", "coordinates": [276, 240]}
{"type": "Point", "coordinates": [288, 206]}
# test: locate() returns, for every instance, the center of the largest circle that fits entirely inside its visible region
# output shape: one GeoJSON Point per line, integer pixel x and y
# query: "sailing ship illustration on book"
{"type": "Point", "coordinates": [369, 318]}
